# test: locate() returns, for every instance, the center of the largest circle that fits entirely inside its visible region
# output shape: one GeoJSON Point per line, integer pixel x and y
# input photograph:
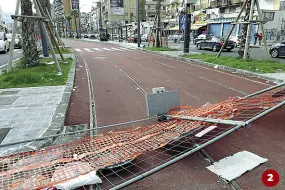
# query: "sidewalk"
{"type": "Point", "coordinates": [27, 112]}
{"type": "Point", "coordinates": [32, 112]}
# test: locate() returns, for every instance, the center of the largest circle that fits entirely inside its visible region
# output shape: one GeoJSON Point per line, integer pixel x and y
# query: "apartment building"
{"type": "Point", "coordinates": [123, 21]}
{"type": "Point", "coordinates": [1, 16]}
{"type": "Point", "coordinates": [63, 20]}
{"type": "Point", "coordinates": [215, 16]}
{"type": "Point", "coordinates": [58, 16]}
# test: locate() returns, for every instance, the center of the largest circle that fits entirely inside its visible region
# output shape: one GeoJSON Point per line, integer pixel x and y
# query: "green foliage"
{"type": "Point", "coordinates": [43, 75]}
{"type": "Point", "coordinates": [160, 49]}
{"type": "Point", "coordinates": [264, 66]}
{"type": "Point", "coordinates": [63, 51]}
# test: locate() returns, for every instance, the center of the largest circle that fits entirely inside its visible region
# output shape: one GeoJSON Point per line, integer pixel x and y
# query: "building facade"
{"type": "Point", "coordinates": [63, 18]}
{"type": "Point", "coordinates": [216, 16]}
{"type": "Point", "coordinates": [1, 16]}
{"type": "Point", "coordinates": [58, 17]}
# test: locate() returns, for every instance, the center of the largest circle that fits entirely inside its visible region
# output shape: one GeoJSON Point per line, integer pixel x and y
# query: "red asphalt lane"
{"type": "Point", "coordinates": [119, 100]}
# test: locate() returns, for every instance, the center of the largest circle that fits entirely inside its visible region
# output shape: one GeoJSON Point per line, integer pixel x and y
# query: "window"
{"type": "Point", "coordinates": [232, 9]}
{"type": "Point", "coordinates": [131, 14]}
{"type": "Point", "coordinates": [282, 5]}
{"type": "Point", "coordinates": [148, 7]}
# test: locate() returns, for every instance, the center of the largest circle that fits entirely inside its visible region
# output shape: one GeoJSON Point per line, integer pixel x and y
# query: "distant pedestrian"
{"type": "Point", "coordinates": [255, 37]}
{"type": "Point", "coordinates": [260, 38]}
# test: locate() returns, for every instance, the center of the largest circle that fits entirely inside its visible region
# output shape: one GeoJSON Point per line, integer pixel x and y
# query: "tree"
{"type": "Point", "coordinates": [158, 24]}
{"type": "Point", "coordinates": [75, 15]}
{"type": "Point", "coordinates": [30, 54]}
{"type": "Point", "coordinates": [68, 18]}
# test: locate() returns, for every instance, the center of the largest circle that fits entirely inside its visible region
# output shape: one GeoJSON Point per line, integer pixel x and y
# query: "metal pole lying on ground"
{"type": "Point", "coordinates": [11, 48]}
{"type": "Point", "coordinates": [48, 39]}
{"type": "Point", "coordinates": [231, 30]}
{"type": "Point", "coordinates": [262, 29]}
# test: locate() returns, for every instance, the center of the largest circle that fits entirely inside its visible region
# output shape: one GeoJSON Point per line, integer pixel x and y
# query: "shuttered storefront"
{"type": "Point", "coordinates": [215, 29]}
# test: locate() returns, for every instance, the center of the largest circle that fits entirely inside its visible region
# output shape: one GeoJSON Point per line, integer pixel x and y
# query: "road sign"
{"type": "Point", "coordinates": [182, 22]}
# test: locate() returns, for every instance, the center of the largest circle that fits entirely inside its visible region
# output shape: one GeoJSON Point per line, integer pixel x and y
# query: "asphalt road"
{"type": "Point", "coordinates": [257, 53]}
{"type": "Point", "coordinates": [117, 99]}
{"type": "Point", "coordinates": [4, 57]}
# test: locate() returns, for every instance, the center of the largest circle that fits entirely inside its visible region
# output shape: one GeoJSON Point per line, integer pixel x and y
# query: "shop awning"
{"type": "Point", "coordinates": [197, 26]}
{"type": "Point", "coordinates": [174, 28]}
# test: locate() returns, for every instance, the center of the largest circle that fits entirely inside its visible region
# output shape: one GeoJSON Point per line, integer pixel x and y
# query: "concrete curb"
{"type": "Point", "coordinates": [221, 67]}
{"type": "Point", "coordinates": [5, 65]}
{"type": "Point", "coordinates": [57, 121]}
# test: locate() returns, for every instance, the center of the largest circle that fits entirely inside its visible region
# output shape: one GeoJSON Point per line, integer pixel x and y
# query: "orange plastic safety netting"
{"type": "Point", "coordinates": [45, 168]}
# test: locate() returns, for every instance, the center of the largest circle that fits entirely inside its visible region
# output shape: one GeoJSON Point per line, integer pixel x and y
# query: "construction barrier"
{"type": "Point", "coordinates": [58, 164]}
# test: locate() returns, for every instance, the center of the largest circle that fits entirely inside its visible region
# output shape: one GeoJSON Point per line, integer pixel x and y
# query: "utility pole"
{"type": "Point", "coordinates": [139, 22]}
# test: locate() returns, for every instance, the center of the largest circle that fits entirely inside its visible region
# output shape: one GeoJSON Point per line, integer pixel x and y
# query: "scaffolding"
{"type": "Point", "coordinates": [124, 153]}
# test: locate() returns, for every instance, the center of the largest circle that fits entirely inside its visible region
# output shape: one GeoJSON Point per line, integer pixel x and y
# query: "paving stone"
{"type": "Point", "coordinates": [33, 112]}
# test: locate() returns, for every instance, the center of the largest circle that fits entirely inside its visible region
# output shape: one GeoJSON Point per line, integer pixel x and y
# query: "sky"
{"type": "Point", "coordinates": [9, 8]}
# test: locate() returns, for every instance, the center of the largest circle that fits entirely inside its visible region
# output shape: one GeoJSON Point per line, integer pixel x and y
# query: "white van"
{"type": "Point", "coordinates": [4, 43]}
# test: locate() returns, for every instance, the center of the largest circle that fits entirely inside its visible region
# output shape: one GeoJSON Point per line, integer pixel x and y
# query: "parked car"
{"type": "Point", "coordinates": [201, 37]}
{"type": "Point", "coordinates": [236, 40]}
{"type": "Point", "coordinates": [85, 36]}
{"type": "Point", "coordinates": [214, 43]}
{"type": "Point", "coordinates": [4, 43]}
{"type": "Point", "coordinates": [18, 40]}
{"type": "Point", "coordinates": [133, 39]}
{"type": "Point", "coordinates": [144, 38]}
{"type": "Point", "coordinates": [176, 38]}
{"type": "Point", "coordinates": [277, 50]}
{"type": "Point", "coordinates": [92, 36]}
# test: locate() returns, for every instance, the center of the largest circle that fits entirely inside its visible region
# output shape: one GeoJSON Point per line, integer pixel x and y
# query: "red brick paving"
{"type": "Point", "coordinates": [117, 100]}
{"type": "Point", "coordinates": [79, 100]}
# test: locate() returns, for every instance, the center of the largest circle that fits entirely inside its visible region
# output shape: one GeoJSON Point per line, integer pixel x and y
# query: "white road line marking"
{"type": "Point", "coordinates": [78, 50]}
{"type": "Point", "coordinates": [123, 48]}
{"type": "Point", "coordinates": [97, 49]}
{"type": "Point", "coordinates": [218, 71]}
{"type": "Point", "coordinates": [126, 49]}
{"type": "Point", "coordinates": [117, 49]}
{"type": "Point", "coordinates": [88, 50]}
{"type": "Point", "coordinates": [108, 49]}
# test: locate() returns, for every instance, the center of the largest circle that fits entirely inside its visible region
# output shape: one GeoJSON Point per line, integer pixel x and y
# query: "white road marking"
{"type": "Point", "coordinates": [78, 50]}
{"type": "Point", "coordinates": [88, 50]}
{"type": "Point", "coordinates": [117, 49]}
{"type": "Point", "coordinates": [126, 49]}
{"type": "Point", "coordinates": [108, 49]}
{"type": "Point", "coordinates": [196, 65]}
{"type": "Point", "coordinates": [97, 49]}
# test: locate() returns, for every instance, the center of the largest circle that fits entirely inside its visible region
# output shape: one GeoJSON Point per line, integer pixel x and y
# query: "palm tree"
{"type": "Point", "coordinates": [68, 18]}
{"type": "Point", "coordinates": [30, 54]}
{"type": "Point", "coordinates": [75, 15]}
